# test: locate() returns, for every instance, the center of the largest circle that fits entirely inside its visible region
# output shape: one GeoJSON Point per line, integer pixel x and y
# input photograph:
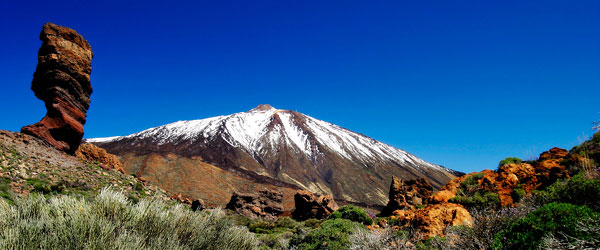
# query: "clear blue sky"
{"type": "Point", "coordinates": [458, 83]}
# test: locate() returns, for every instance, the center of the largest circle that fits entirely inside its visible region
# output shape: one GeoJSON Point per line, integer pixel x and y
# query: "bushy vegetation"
{"type": "Point", "coordinates": [510, 160]}
{"type": "Point", "coordinates": [110, 221]}
{"type": "Point", "coordinates": [471, 196]}
{"type": "Point", "coordinates": [353, 213]}
{"type": "Point", "coordinates": [578, 190]}
{"type": "Point", "coordinates": [552, 218]}
{"type": "Point", "coordinates": [333, 234]}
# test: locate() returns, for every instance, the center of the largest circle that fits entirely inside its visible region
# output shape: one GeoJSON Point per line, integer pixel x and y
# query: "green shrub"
{"type": "Point", "coordinates": [551, 218]}
{"type": "Point", "coordinates": [510, 160]}
{"type": "Point", "coordinates": [478, 200]}
{"type": "Point", "coordinates": [353, 213]}
{"type": "Point", "coordinates": [471, 181]}
{"type": "Point", "coordinates": [40, 186]}
{"type": "Point", "coordinates": [261, 226]}
{"type": "Point", "coordinates": [518, 194]}
{"type": "Point", "coordinates": [578, 190]}
{"type": "Point", "coordinates": [333, 234]}
{"type": "Point", "coordinates": [287, 222]}
{"type": "Point", "coordinates": [436, 242]}
{"type": "Point", "coordinates": [110, 221]}
{"type": "Point", "coordinates": [312, 223]}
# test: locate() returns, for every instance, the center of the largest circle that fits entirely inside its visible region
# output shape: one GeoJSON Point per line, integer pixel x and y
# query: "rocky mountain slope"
{"type": "Point", "coordinates": [282, 148]}
{"type": "Point", "coordinates": [29, 164]}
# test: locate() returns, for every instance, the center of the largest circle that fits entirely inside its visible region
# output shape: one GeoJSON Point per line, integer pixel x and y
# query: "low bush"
{"type": "Point", "coordinates": [478, 200]}
{"type": "Point", "coordinates": [353, 213]}
{"type": "Point", "coordinates": [312, 223]}
{"type": "Point", "coordinates": [510, 160]}
{"type": "Point", "coordinates": [471, 182]}
{"type": "Point", "coordinates": [486, 224]}
{"type": "Point", "coordinates": [110, 221]}
{"type": "Point", "coordinates": [332, 234]}
{"type": "Point", "coordinates": [578, 190]}
{"type": "Point", "coordinates": [552, 218]}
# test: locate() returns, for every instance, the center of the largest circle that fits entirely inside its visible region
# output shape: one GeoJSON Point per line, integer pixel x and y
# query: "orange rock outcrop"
{"type": "Point", "coordinates": [91, 153]}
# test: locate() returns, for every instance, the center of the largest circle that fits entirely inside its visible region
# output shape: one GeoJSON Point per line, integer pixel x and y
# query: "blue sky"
{"type": "Point", "coordinates": [463, 84]}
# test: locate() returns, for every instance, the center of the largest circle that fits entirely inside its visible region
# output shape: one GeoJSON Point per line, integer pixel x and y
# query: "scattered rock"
{"type": "Point", "coordinates": [309, 205]}
{"type": "Point", "coordinates": [91, 153]}
{"type": "Point", "coordinates": [197, 205]}
{"type": "Point", "coordinates": [406, 194]}
{"type": "Point", "coordinates": [62, 81]}
{"type": "Point", "coordinates": [264, 204]}
{"type": "Point", "coordinates": [179, 197]}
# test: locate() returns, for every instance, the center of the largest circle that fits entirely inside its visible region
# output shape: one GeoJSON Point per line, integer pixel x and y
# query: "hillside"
{"type": "Point", "coordinates": [30, 165]}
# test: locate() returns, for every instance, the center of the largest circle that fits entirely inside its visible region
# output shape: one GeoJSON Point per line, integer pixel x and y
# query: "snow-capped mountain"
{"type": "Point", "coordinates": [284, 147]}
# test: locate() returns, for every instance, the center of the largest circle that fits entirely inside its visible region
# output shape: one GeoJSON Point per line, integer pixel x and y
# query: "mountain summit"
{"type": "Point", "coordinates": [285, 148]}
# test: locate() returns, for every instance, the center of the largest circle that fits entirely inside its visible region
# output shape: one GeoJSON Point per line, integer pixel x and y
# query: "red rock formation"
{"type": "Point", "coordinates": [92, 153]}
{"type": "Point", "coordinates": [265, 204]}
{"type": "Point", "coordinates": [309, 205]}
{"type": "Point", "coordinates": [62, 81]}
{"type": "Point", "coordinates": [407, 194]}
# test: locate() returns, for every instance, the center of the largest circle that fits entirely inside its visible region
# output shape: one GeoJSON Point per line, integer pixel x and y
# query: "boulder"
{"type": "Point", "coordinates": [198, 205]}
{"type": "Point", "coordinates": [92, 153]}
{"type": "Point", "coordinates": [433, 219]}
{"type": "Point", "coordinates": [310, 205]}
{"type": "Point", "coordinates": [406, 194]}
{"type": "Point", "coordinates": [264, 204]}
{"type": "Point", "coordinates": [62, 81]}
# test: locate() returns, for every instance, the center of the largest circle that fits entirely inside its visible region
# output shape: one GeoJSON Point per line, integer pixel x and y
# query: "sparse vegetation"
{"type": "Point", "coordinates": [110, 221]}
{"type": "Point", "coordinates": [510, 160]}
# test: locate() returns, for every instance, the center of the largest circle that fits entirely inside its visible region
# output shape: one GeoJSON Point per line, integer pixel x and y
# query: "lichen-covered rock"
{"type": "Point", "coordinates": [406, 194]}
{"type": "Point", "coordinates": [310, 205]}
{"type": "Point", "coordinates": [264, 204]}
{"type": "Point", "coordinates": [62, 81]}
{"type": "Point", "coordinates": [92, 153]}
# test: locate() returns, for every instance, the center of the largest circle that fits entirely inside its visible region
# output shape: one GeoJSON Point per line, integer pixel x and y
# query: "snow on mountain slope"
{"type": "Point", "coordinates": [285, 146]}
{"type": "Point", "coordinates": [247, 129]}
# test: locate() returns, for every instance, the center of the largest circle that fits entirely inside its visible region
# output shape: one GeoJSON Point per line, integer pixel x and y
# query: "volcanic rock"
{"type": "Point", "coordinates": [92, 153]}
{"type": "Point", "coordinates": [504, 181]}
{"type": "Point", "coordinates": [197, 205]}
{"type": "Point", "coordinates": [62, 81]}
{"type": "Point", "coordinates": [433, 219]}
{"type": "Point", "coordinates": [407, 194]}
{"type": "Point", "coordinates": [310, 205]}
{"type": "Point", "coordinates": [265, 204]}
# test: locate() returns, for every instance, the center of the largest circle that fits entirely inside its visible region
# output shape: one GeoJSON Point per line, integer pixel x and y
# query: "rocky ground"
{"type": "Point", "coordinates": [28, 165]}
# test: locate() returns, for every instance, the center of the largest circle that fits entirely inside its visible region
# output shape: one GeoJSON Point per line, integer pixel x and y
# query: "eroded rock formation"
{"type": "Point", "coordinates": [62, 81]}
{"type": "Point", "coordinates": [406, 194]}
{"type": "Point", "coordinates": [264, 204]}
{"type": "Point", "coordinates": [309, 205]}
